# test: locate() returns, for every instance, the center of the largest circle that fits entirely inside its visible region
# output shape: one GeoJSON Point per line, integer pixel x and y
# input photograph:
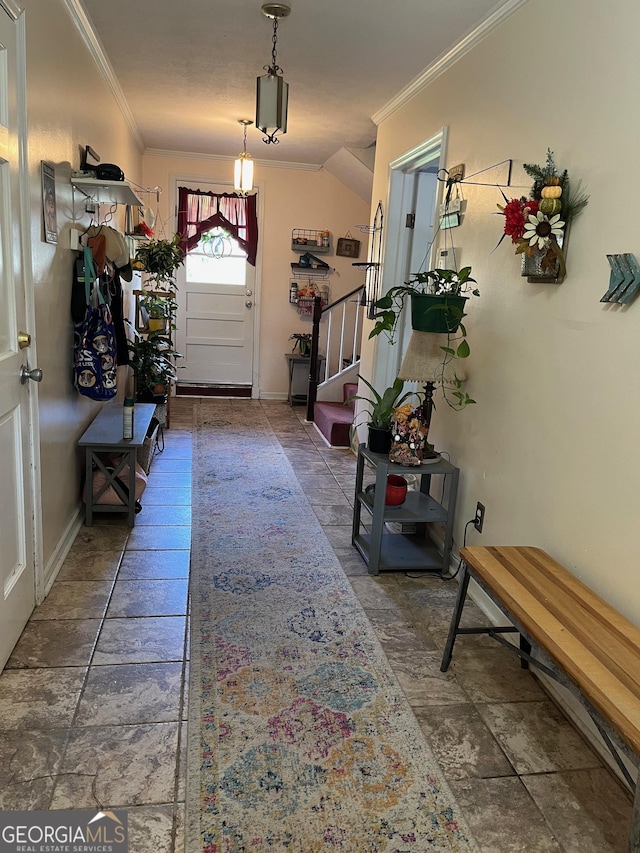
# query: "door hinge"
{"type": "Point", "coordinates": [410, 221]}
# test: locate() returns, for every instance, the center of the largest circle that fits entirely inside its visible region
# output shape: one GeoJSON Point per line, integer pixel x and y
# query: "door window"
{"type": "Point", "coordinates": [217, 259]}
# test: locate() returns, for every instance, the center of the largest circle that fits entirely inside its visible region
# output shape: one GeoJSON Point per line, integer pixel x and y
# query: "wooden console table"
{"type": "Point", "coordinates": [104, 436]}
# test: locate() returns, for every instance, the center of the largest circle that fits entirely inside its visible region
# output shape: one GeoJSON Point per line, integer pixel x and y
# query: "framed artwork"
{"type": "Point", "coordinates": [49, 210]}
{"type": "Point", "coordinates": [348, 247]}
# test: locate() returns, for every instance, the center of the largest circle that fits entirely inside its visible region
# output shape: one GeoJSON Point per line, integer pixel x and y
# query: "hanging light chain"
{"type": "Point", "coordinates": [274, 68]}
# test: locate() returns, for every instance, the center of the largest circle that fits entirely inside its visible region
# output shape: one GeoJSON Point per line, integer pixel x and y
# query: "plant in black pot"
{"type": "Point", "coordinates": [380, 410]}
{"type": "Point", "coordinates": [152, 359]}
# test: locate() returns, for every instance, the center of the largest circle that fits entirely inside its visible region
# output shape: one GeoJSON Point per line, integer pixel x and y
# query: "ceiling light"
{"type": "Point", "coordinates": [272, 91]}
{"type": "Point", "coordinates": [243, 169]}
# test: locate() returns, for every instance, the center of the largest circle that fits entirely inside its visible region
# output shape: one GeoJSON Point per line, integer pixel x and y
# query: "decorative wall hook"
{"type": "Point", "coordinates": [624, 280]}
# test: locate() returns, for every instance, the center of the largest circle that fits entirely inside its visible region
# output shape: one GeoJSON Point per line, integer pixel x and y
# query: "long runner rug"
{"type": "Point", "coordinates": [300, 738]}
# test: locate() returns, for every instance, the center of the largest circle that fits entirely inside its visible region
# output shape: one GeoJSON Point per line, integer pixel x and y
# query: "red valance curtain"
{"type": "Point", "coordinates": [200, 211]}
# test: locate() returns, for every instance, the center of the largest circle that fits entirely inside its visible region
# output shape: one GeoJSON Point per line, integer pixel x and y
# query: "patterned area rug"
{"type": "Point", "coordinates": [300, 738]}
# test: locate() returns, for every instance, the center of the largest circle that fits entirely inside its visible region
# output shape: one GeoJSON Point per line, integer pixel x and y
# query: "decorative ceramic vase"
{"type": "Point", "coordinates": [379, 440]}
{"type": "Point", "coordinates": [431, 313]}
{"type": "Point", "coordinates": [396, 490]}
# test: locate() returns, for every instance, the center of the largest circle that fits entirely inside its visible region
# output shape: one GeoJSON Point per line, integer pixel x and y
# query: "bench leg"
{"type": "Point", "coordinates": [455, 618]}
{"type": "Point", "coordinates": [634, 834]}
{"type": "Point", "coordinates": [525, 646]}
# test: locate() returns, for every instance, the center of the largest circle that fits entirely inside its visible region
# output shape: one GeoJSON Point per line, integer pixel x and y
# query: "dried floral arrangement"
{"type": "Point", "coordinates": [538, 224]}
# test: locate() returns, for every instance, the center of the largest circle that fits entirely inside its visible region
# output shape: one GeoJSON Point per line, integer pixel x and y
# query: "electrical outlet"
{"type": "Point", "coordinates": [478, 521]}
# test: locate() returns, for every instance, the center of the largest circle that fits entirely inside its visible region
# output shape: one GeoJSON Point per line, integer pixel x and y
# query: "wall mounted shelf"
{"type": "Point", "coordinates": [106, 192]}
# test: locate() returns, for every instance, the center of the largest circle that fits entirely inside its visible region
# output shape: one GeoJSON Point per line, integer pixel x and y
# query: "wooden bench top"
{"type": "Point", "coordinates": [597, 647]}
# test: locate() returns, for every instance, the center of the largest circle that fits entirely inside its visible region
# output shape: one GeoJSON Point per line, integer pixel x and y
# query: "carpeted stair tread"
{"type": "Point", "coordinates": [334, 419]}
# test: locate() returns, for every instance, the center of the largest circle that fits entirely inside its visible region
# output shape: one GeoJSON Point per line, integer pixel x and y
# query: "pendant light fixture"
{"type": "Point", "coordinates": [243, 168]}
{"type": "Point", "coordinates": [272, 91]}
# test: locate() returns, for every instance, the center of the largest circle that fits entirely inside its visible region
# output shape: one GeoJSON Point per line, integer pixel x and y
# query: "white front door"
{"type": "Point", "coordinates": [17, 571]}
{"type": "Point", "coordinates": [215, 319]}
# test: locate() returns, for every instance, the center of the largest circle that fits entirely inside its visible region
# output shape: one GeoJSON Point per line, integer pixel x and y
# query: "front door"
{"type": "Point", "coordinates": [17, 572]}
{"type": "Point", "coordinates": [215, 317]}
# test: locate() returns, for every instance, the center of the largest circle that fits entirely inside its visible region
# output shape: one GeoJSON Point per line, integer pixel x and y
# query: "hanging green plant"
{"type": "Point", "coordinates": [160, 259]}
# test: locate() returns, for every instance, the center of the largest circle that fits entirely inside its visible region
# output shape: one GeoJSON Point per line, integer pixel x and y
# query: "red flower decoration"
{"type": "Point", "coordinates": [516, 212]}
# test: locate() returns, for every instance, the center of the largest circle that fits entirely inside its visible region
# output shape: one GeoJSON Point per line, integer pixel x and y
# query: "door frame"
{"type": "Point", "coordinates": [181, 179]}
{"type": "Point", "coordinates": [15, 10]}
{"type": "Point", "coordinates": [402, 184]}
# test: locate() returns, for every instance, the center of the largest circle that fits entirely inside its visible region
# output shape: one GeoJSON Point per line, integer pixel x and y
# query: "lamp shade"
{"type": "Point", "coordinates": [423, 359]}
{"type": "Point", "coordinates": [271, 104]}
{"type": "Point", "coordinates": [243, 174]}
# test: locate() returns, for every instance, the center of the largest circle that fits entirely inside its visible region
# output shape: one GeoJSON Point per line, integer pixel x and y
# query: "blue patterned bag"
{"type": "Point", "coordinates": [94, 356]}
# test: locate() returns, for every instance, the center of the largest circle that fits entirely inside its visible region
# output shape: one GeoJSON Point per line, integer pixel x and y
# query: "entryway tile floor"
{"type": "Point", "coordinates": [93, 698]}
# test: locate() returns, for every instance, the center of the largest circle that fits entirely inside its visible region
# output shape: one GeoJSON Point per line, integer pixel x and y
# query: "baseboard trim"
{"type": "Point", "coordinates": [213, 391]}
{"type": "Point", "coordinates": [56, 561]}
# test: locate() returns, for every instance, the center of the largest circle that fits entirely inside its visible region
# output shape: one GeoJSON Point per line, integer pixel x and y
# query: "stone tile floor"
{"type": "Point", "coordinates": [93, 704]}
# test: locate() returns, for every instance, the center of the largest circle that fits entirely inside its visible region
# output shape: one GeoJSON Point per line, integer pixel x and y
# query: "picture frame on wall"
{"type": "Point", "coordinates": [348, 247]}
{"type": "Point", "coordinates": [49, 209]}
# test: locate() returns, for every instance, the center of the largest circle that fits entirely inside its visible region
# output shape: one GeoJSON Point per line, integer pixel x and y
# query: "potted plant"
{"type": "Point", "coordinates": [159, 308]}
{"type": "Point", "coordinates": [302, 342]}
{"type": "Point", "coordinates": [160, 259]}
{"type": "Point", "coordinates": [438, 299]}
{"type": "Point", "coordinates": [381, 409]}
{"type": "Point", "coordinates": [152, 359]}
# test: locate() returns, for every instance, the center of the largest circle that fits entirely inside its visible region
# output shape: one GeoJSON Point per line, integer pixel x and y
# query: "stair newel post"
{"type": "Point", "coordinates": [313, 359]}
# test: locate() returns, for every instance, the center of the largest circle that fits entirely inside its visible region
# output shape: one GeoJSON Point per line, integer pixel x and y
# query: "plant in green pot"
{"type": "Point", "coordinates": [380, 408]}
{"type": "Point", "coordinates": [438, 299]}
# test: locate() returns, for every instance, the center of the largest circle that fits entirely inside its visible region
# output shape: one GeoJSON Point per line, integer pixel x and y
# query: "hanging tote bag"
{"type": "Point", "coordinates": [94, 357]}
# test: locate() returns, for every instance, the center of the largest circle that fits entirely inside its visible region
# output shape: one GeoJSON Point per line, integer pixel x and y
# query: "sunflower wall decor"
{"type": "Point", "coordinates": [539, 225]}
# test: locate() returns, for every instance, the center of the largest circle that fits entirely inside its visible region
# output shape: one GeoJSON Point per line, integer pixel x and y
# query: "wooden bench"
{"type": "Point", "coordinates": [569, 633]}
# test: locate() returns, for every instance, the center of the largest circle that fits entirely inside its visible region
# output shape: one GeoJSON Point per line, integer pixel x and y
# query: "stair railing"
{"type": "Point", "coordinates": [347, 347]}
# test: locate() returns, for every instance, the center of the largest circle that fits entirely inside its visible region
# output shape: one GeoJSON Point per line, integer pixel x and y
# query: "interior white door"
{"type": "Point", "coordinates": [17, 572]}
{"type": "Point", "coordinates": [215, 318]}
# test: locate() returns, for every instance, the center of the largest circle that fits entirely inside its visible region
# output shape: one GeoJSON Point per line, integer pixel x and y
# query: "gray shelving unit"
{"type": "Point", "coordinates": [383, 550]}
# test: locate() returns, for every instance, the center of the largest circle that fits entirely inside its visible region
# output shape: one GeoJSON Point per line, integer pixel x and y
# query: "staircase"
{"type": "Point", "coordinates": [333, 419]}
{"type": "Point", "coordinates": [338, 341]}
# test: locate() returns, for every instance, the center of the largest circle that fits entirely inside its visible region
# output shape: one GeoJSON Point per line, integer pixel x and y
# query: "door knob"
{"type": "Point", "coordinates": [248, 303]}
{"type": "Point", "coordinates": [249, 293]}
{"type": "Point", "coordinates": [24, 340]}
{"type": "Point", "coordinates": [26, 374]}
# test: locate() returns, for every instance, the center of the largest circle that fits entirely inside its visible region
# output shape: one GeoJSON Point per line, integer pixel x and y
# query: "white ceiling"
{"type": "Point", "coordinates": [188, 69]}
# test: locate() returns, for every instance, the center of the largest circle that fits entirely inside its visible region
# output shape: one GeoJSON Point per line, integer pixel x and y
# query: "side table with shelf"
{"type": "Point", "coordinates": [102, 437]}
{"type": "Point", "coordinates": [293, 360]}
{"type": "Point", "coordinates": [386, 551]}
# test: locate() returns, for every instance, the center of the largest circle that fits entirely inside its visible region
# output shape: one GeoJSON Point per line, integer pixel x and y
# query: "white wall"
{"type": "Point", "coordinates": [69, 105]}
{"type": "Point", "coordinates": [551, 448]}
{"type": "Point", "coordinates": [288, 198]}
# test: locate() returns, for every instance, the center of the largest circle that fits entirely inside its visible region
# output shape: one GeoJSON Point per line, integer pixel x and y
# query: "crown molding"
{"type": "Point", "coordinates": [13, 8]}
{"type": "Point", "coordinates": [98, 53]}
{"type": "Point", "coordinates": [448, 59]}
{"type": "Point", "coordinates": [190, 155]}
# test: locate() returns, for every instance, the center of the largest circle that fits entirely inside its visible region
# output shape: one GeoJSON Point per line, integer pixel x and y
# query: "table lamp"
{"type": "Point", "coordinates": [424, 362]}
